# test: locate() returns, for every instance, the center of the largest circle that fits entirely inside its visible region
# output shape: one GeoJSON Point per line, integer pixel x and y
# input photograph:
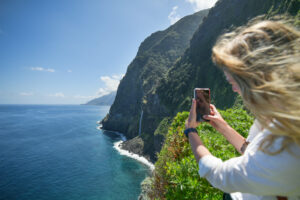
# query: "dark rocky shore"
{"type": "Point", "coordinates": [136, 146]}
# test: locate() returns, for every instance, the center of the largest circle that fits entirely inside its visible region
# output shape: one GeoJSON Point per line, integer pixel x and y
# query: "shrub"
{"type": "Point", "coordinates": [176, 171]}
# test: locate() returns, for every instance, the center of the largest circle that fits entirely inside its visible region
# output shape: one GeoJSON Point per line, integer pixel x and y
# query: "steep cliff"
{"type": "Point", "coordinates": [136, 91]}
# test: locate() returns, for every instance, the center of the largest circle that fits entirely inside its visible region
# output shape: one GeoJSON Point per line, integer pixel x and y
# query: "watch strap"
{"type": "Point", "coordinates": [188, 130]}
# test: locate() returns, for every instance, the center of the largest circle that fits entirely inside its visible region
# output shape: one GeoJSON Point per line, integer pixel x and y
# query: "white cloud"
{"type": "Point", "coordinates": [111, 84]}
{"type": "Point", "coordinates": [119, 77]}
{"type": "Point", "coordinates": [42, 69]}
{"type": "Point", "coordinates": [173, 16]}
{"type": "Point", "coordinates": [201, 4]}
{"type": "Point", "coordinates": [58, 94]}
{"type": "Point", "coordinates": [50, 70]}
{"type": "Point", "coordinates": [69, 71]}
{"type": "Point", "coordinates": [26, 93]}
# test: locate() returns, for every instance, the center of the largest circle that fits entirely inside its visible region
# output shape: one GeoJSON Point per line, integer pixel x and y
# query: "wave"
{"type": "Point", "coordinates": [132, 155]}
{"type": "Point", "coordinates": [127, 153]}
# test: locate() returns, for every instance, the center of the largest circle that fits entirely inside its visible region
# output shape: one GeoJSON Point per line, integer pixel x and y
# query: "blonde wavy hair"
{"type": "Point", "coordinates": [264, 59]}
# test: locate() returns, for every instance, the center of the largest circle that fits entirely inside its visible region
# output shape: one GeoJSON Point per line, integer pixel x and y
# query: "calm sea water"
{"type": "Point", "coordinates": [56, 152]}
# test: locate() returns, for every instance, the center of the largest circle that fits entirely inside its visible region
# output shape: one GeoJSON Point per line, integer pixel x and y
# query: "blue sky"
{"type": "Point", "coordinates": [70, 51]}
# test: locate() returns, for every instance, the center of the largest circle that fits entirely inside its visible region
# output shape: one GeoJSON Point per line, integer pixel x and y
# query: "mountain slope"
{"type": "Point", "coordinates": [195, 69]}
{"type": "Point", "coordinates": [106, 100]}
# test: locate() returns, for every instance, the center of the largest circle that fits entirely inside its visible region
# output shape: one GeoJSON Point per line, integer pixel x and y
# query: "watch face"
{"type": "Point", "coordinates": [186, 132]}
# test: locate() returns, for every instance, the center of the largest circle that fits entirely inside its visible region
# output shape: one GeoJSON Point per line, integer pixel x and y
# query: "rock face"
{"type": "Point", "coordinates": [137, 90]}
{"type": "Point", "coordinates": [146, 188]}
{"type": "Point", "coordinates": [171, 63]}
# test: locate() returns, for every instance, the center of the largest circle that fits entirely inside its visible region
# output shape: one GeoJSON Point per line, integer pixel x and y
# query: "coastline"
{"type": "Point", "coordinates": [123, 152]}
{"type": "Point", "coordinates": [118, 147]}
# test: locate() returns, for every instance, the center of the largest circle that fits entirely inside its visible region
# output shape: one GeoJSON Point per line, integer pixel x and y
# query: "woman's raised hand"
{"type": "Point", "coordinates": [216, 120]}
{"type": "Point", "coordinates": [191, 122]}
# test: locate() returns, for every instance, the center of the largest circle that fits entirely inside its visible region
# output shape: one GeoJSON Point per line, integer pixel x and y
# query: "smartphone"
{"type": "Point", "coordinates": [202, 97]}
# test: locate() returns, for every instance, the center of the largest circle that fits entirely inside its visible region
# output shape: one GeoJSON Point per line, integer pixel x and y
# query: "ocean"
{"type": "Point", "coordinates": [56, 152]}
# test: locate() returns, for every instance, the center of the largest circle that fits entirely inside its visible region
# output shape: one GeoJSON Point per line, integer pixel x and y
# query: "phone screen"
{"type": "Point", "coordinates": [202, 96]}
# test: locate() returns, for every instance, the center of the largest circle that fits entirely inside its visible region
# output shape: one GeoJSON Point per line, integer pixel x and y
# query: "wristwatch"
{"type": "Point", "coordinates": [188, 130]}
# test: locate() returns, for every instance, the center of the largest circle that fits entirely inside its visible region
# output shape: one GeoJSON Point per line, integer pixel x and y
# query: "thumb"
{"type": "Point", "coordinates": [209, 117]}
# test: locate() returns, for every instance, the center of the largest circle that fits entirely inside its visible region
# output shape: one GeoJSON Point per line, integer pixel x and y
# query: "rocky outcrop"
{"type": "Point", "coordinates": [135, 145]}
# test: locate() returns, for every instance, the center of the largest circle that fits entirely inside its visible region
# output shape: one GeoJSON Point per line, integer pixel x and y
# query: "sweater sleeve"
{"type": "Point", "coordinates": [253, 172]}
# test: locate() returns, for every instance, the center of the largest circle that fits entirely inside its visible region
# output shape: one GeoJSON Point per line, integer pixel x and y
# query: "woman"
{"type": "Point", "coordinates": [262, 63]}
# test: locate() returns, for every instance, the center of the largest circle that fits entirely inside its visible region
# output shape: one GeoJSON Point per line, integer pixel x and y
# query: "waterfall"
{"type": "Point", "coordinates": [140, 124]}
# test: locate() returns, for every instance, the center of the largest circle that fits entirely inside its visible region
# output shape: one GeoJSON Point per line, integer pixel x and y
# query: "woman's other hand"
{"type": "Point", "coordinates": [191, 121]}
{"type": "Point", "coordinates": [216, 120]}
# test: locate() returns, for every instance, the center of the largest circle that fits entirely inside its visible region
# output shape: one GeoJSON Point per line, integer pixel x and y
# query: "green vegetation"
{"type": "Point", "coordinates": [284, 6]}
{"type": "Point", "coordinates": [163, 126]}
{"type": "Point", "coordinates": [176, 171]}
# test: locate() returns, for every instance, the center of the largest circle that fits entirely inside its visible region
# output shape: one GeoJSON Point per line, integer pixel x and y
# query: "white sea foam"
{"type": "Point", "coordinates": [132, 155]}
{"type": "Point", "coordinates": [127, 153]}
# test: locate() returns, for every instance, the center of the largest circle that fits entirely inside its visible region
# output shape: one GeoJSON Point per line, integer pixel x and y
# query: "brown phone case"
{"type": "Point", "coordinates": [202, 97]}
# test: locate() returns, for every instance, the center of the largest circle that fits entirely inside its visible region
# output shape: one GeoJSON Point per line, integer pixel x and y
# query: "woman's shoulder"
{"type": "Point", "coordinates": [290, 154]}
{"type": "Point", "coordinates": [254, 130]}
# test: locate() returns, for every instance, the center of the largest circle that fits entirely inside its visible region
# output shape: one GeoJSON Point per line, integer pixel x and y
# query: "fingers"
{"type": "Point", "coordinates": [214, 109]}
{"type": "Point", "coordinates": [193, 109]}
{"type": "Point", "coordinates": [209, 117]}
{"type": "Point", "coordinates": [212, 106]}
{"type": "Point", "coordinates": [191, 122]}
{"type": "Point", "coordinates": [213, 113]}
